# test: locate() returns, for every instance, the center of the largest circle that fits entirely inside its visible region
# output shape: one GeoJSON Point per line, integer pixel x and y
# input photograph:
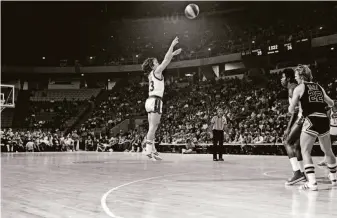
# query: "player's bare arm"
{"type": "Point", "coordinates": [168, 57]}
{"type": "Point", "coordinates": [296, 97]}
{"type": "Point", "coordinates": [293, 115]}
{"type": "Point", "coordinates": [291, 90]}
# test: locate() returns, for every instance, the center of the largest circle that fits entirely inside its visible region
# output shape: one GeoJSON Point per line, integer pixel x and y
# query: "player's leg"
{"type": "Point", "coordinates": [153, 131]}
{"type": "Point", "coordinates": [145, 138]}
{"type": "Point", "coordinates": [297, 147]}
{"type": "Point", "coordinates": [214, 147]}
{"type": "Point", "coordinates": [154, 120]}
{"type": "Point", "coordinates": [159, 110]}
{"type": "Point", "coordinates": [292, 145]}
{"type": "Point", "coordinates": [325, 143]}
{"type": "Point", "coordinates": [322, 163]}
{"type": "Point", "coordinates": [288, 147]}
{"type": "Point", "coordinates": [221, 138]}
{"type": "Point", "coordinates": [307, 142]}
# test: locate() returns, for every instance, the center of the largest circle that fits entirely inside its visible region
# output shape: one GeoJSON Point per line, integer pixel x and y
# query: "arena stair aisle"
{"type": "Point", "coordinates": [102, 96]}
{"type": "Point", "coordinates": [21, 108]}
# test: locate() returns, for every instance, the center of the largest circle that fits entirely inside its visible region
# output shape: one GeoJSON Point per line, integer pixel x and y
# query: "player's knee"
{"type": "Point", "coordinates": [153, 125]}
{"type": "Point", "coordinates": [287, 146]}
{"type": "Point", "coordinates": [305, 150]}
{"type": "Point", "coordinates": [295, 147]}
{"type": "Point", "coordinates": [289, 141]}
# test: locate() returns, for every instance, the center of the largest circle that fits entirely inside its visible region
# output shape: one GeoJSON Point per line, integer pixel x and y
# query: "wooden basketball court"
{"type": "Point", "coordinates": [102, 185]}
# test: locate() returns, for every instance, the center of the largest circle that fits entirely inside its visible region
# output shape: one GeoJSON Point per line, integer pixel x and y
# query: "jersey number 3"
{"type": "Point", "coordinates": [151, 86]}
{"type": "Point", "coordinates": [315, 96]}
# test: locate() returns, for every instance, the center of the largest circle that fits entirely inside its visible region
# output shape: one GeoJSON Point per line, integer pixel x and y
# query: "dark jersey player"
{"type": "Point", "coordinates": [312, 99]}
{"type": "Point", "coordinates": [293, 132]}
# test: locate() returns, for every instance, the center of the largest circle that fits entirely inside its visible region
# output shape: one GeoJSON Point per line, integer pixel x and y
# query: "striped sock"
{"type": "Point", "coordinates": [310, 172]}
{"type": "Point", "coordinates": [333, 169]}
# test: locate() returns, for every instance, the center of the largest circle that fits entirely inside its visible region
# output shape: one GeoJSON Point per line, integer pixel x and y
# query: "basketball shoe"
{"type": "Point", "coordinates": [298, 176]}
{"type": "Point", "coordinates": [333, 179]}
{"type": "Point", "coordinates": [308, 186]}
{"type": "Point", "coordinates": [157, 156]}
{"type": "Point", "coordinates": [151, 157]}
{"type": "Point", "coordinates": [155, 153]}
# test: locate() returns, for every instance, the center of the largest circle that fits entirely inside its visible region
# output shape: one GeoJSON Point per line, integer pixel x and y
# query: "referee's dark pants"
{"type": "Point", "coordinates": [218, 136]}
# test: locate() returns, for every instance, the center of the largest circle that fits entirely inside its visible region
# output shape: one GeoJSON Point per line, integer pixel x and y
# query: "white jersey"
{"type": "Point", "coordinates": [156, 85]}
{"type": "Point", "coordinates": [333, 123]}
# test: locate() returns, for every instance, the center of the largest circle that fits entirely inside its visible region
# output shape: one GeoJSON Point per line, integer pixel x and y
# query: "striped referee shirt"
{"type": "Point", "coordinates": [218, 122]}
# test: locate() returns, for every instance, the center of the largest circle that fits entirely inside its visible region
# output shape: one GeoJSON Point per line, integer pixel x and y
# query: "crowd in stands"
{"type": "Point", "coordinates": [39, 140]}
{"type": "Point", "coordinates": [58, 110]}
{"type": "Point", "coordinates": [53, 114]}
{"type": "Point", "coordinates": [120, 105]}
{"type": "Point", "coordinates": [211, 35]}
{"type": "Point", "coordinates": [255, 114]}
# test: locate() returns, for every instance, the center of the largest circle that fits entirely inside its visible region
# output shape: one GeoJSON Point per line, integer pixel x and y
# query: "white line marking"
{"type": "Point", "coordinates": [104, 197]}
{"type": "Point", "coordinates": [274, 171]}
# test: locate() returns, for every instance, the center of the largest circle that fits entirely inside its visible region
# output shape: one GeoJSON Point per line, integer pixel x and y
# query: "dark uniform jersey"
{"type": "Point", "coordinates": [313, 106]}
{"type": "Point", "coordinates": [312, 100]}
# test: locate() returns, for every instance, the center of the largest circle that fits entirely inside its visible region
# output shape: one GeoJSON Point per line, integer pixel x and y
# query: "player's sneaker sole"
{"type": "Point", "coordinates": [333, 180]}
{"type": "Point", "coordinates": [151, 157]}
{"type": "Point", "coordinates": [307, 186]}
{"type": "Point", "coordinates": [156, 156]}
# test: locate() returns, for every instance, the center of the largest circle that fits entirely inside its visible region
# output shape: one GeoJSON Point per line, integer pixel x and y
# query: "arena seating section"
{"type": "Point", "coordinates": [58, 108]}
{"type": "Point", "coordinates": [124, 103]}
{"type": "Point", "coordinates": [252, 110]}
{"type": "Point", "coordinates": [60, 95]}
{"type": "Point", "coordinates": [217, 34]}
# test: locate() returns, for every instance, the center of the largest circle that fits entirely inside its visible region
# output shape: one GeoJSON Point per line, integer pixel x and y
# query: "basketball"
{"type": "Point", "coordinates": [192, 11]}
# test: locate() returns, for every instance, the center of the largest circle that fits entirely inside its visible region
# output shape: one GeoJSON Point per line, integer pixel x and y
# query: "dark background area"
{"type": "Point", "coordinates": [61, 30]}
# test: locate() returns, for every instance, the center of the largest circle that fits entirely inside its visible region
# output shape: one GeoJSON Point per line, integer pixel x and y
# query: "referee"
{"type": "Point", "coordinates": [217, 124]}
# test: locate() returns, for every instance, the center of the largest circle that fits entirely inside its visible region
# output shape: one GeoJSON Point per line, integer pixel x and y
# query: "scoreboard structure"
{"type": "Point", "coordinates": [301, 45]}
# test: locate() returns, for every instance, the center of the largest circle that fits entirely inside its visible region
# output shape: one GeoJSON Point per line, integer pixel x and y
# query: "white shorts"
{"type": "Point", "coordinates": [154, 105]}
{"type": "Point", "coordinates": [333, 130]}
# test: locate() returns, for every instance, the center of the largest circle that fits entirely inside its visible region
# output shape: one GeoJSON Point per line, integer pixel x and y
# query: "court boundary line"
{"type": "Point", "coordinates": [267, 173]}
{"type": "Point", "coordinates": [105, 195]}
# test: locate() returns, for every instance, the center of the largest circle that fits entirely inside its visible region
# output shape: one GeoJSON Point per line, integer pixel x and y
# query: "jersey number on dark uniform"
{"type": "Point", "coordinates": [315, 96]}
{"type": "Point", "coordinates": [151, 86]}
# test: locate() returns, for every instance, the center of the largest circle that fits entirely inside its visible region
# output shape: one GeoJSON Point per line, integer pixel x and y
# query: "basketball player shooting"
{"type": "Point", "coordinates": [312, 98]}
{"type": "Point", "coordinates": [293, 132]}
{"type": "Point", "coordinates": [154, 103]}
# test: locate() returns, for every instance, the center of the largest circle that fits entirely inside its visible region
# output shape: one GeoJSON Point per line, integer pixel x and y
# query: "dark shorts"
{"type": "Point", "coordinates": [295, 131]}
{"type": "Point", "coordinates": [316, 126]}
